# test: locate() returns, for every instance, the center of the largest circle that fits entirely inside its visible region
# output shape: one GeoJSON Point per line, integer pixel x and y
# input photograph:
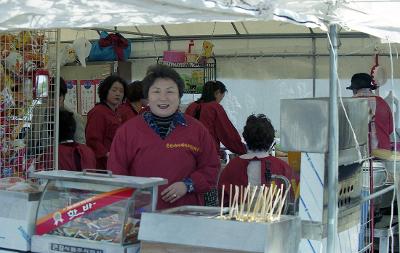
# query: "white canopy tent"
{"type": "Point", "coordinates": [377, 18]}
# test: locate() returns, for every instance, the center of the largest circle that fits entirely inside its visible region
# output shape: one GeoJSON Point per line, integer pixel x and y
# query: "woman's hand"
{"type": "Point", "coordinates": [174, 192]}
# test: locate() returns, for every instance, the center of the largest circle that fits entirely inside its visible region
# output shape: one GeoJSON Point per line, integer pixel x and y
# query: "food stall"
{"type": "Point", "coordinates": [350, 10]}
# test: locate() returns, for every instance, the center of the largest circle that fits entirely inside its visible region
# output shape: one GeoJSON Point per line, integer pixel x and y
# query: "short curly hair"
{"type": "Point", "coordinates": [106, 85]}
{"type": "Point", "coordinates": [258, 132]}
{"type": "Point", "coordinates": [63, 87]}
{"type": "Point", "coordinates": [161, 71]}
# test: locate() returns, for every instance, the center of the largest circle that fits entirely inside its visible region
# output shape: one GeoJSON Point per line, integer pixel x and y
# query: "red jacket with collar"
{"type": "Point", "coordinates": [215, 119]}
{"type": "Point", "coordinates": [71, 156]}
{"type": "Point", "coordinates": [235, 173]}
{"type": "Point", "coordinates": [75, 156]}
{"type": "Point", "coordinates": [102, 124]}
{"type": "Point", "coordinates": [188, 151]}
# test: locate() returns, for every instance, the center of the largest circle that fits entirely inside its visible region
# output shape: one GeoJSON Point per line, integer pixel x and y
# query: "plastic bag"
{"type": "Point", "coordinates": [110, 47]}
{"type": "Point", "coordinates": [82, 49]}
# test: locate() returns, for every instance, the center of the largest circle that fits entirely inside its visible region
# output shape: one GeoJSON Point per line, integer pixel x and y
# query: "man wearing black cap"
{"type": "Point", "coordinates": [381, 123]}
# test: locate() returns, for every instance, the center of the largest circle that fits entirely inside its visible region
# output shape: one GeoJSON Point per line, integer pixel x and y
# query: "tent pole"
{"type": "Point", "coordinates": [333, 143]}
{"type": "Point", "coordinates": [57, 97]}
{"type": "Point", "coordinates": [314, 63]}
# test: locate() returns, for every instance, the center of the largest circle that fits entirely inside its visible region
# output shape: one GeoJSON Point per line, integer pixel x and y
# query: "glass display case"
{"type": "Point", "coordinates": [19, 202]}
{"type": "Point", "coordinates": [92, 212]}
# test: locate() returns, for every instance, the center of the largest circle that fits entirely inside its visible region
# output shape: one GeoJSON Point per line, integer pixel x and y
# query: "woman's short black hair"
{"type": "Point", "coordinates": [209, 89]}
{"type": "Point", "coordinates": [63, 87]}
{"type": "Point", "coordinates": [134, 91]}
{"type": "Point", "coordinates": [258, 132]}
{"type": "Point", "coordinates": [161, 71]}
{"type": "Point", "coordinates": [67, 125]}
{"type": "Point", "coordinates": [106, 84]}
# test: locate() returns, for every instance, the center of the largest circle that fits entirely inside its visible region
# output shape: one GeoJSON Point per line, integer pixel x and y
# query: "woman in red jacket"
{"type": "Point", "coordinates": [103, 120]}
{"type": "Point", "coordinates": [134, 103]}
{"type": "Point", "coordinates": [257, 166]}
{"type": "Point", "coordinates": [71, 154]}
{"type": "Point", "coordinates": [208, 110]}
{"type": "Point", "coordinates": [166, 143]}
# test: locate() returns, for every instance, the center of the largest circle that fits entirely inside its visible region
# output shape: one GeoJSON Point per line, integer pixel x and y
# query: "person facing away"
{"type": "Point", "coordinates": [71, 154]}
{"type": "Point", "coordinates": [134, 103]}
{"type": "Point", "coordinates": [40, 136]}
{"type": "Point", "coordinates": [257, 166]}
{"type": "Point", "coordinates": [79, 135]}
{"type": "Point", "coordinates": [103, 120]}
{"type": "Point", "coordinates": [208, 110]}
{"type": "Point", "coordinates": [381, 122]}
{"type": "Point", "coordinates": [166, 143]}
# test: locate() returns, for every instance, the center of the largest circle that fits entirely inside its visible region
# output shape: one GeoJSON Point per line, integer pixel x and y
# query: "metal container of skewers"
{"type": "Point", "coordinates": [204, 228]}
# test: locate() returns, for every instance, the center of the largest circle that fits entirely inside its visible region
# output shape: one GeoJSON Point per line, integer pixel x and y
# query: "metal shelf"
{"type": "Point", "coordinates": [209, 68]}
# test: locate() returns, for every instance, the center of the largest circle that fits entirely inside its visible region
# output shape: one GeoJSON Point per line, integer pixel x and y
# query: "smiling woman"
{"type": "Point", "coordinates": [103, 120]}
{"type": "Point", "coordinates": [185, 151]}
{"type": "Point", "coordinates": [164, 97]}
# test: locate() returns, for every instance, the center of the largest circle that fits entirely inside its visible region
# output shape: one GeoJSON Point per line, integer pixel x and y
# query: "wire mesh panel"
{"type": "Point", "coordinates": [27, 103]}
{"type": "Point", "coordinates": [365, 235]}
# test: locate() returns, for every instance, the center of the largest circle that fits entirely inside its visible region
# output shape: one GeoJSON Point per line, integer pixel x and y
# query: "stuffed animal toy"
{"type": "Point", "coordinates": [207, 49]}
{"type": "Point", "coordinates": [67, 53]}
{"type": "Point", "coordinates": [207, 52]}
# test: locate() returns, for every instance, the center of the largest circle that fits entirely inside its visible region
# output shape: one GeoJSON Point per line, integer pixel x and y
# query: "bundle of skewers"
{"type": "Point", "coordinates": [254, 203]}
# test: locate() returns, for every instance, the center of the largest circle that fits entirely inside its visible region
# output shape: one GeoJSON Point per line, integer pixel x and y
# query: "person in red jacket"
{"type": "Point", "coordinates": [135, 102]}
{"type": "Point", "coordinates": [103, 120]}
{"type": "Point", "coordinates": [257, 166]}
{"type": "Point", "coordinates": [381, 123]}
{"type": "Point", "coordinates": [208, 110]}
{"type": "Point", "coordinates": [71, 154]}
{"type": "Point", "coordinates": [167, 144]}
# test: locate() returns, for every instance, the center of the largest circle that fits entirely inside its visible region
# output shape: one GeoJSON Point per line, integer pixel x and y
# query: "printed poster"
{"type": "Point", "coordinates": [71, 98]}
{"type": "Point", "coordinates": [97, 82]}
{"type": "Point", "coordinates": [87, 96]}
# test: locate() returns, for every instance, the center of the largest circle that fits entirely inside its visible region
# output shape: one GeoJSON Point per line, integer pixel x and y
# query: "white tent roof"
{"type": "Point", "coordinates": [378, 18]}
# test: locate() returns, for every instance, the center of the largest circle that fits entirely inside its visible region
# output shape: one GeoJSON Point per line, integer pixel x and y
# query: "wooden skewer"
{"type": "Point", "coordinates": [230, 199]}
{"type": "Point", "coordinates": [246, 192]}
{"type": "Point", "coordinates": [258, 202]}
{"type": "Point", "coordinates": [270, 198]}
{"type": "Point", "coordinates": [264, 206]}
{"type": "Point", "coordinates": [234, 202]}
{"type": "Point", "coordinates": [277, 198]}
{"type": "Point", "coordinates": [273, 197]}
{"type": "Point", "coordinates": [283, 202]}
{"type": "Point", "coordinates": [241, 194]}
{"type": "Point", "coordinates": [237, 198]}
{"type": "Point", "coordinates": [232, 207]}
{"type": "Point", "coordinates": [222, 200]}
{"type": "Point", "coordinates": [251, 199]}
{"type": "Point", "coordinates": [249, 193]}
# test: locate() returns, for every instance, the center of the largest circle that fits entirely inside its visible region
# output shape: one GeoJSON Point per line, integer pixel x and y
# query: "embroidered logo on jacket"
{"type": "Point", "coordinates": [183, 145]}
